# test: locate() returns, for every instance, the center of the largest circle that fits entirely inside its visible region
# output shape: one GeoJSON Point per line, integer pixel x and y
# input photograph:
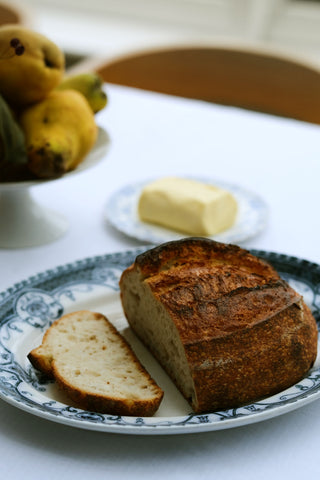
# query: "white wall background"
{"type": "Point", "coordinates": [109, 27]}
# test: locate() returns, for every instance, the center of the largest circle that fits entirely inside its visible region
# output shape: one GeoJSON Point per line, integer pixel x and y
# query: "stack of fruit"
{"type": "Point", "coordinates": [47, 119]}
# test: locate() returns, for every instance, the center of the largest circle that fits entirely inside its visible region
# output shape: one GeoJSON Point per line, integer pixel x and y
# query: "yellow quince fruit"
{"type": "Point", "coordinates": [59, 133]}
{"type": "Point", "coordinates": [90, 84]}
{"type": "Point", "coordinates": [31, 65]}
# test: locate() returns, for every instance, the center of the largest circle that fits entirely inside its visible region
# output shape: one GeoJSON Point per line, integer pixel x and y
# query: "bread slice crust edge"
{"type": "Point", "coordinates": [45, 359]}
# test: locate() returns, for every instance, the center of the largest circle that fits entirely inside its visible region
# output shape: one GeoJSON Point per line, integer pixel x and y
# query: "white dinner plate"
{"type": "Point", "coordinates": [28, 308]}
{"type": "Point", "coordinates": [121, 212]}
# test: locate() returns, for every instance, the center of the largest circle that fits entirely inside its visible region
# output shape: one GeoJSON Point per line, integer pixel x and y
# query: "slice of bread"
{"type": "Point", "coordinates": [222, 323]}
{"type": "Point", "coordinates": [95, 366]}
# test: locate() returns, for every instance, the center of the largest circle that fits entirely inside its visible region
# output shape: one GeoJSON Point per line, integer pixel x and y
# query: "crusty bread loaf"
{"type": "Point", "coordinates": [95, 366]}
{"type": "Point", "coordinates": [223, 324]}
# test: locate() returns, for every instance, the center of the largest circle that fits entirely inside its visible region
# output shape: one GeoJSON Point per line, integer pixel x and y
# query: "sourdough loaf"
{"type": "Point", "coordinates": [222, 323]}
{"type": "Point", "coordinates": [95, 367]}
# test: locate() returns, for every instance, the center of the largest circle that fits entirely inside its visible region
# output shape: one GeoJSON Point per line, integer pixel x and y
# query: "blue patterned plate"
{"type": "Point", "coordinates": [28, 308]}
{"type": "Point", "coordinates": [121, 212]}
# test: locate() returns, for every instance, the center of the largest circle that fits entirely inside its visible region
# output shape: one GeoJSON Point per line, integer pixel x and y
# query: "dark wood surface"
{"type": "Point", "coordinates": [256, 81]}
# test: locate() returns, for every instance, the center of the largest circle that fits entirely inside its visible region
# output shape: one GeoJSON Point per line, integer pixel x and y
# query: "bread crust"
{"type": "Point", "coordinates": [245, 332]}
{"type": "Point", "coordinates": [202, 252]}
{"type": "Point", "coordinates": [110, 405]}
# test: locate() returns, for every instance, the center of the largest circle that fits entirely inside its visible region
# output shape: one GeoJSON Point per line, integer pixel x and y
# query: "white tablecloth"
{"type": "Point", "coordinates": [155, 135]}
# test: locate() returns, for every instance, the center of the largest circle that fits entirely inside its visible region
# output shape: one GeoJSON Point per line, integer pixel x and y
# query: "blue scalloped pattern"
{"type": "Point", "coordinates": [36, 302]}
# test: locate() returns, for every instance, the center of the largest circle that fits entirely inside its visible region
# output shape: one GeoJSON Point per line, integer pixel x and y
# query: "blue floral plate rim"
{"type": "Point", "coordinates": [29, 307]}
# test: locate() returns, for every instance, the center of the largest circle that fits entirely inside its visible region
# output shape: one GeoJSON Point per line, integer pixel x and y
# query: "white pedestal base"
{"type": "Point", "coordinates": [24, 223]}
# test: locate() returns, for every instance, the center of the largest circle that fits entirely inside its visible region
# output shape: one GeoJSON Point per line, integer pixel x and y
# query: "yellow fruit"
{"type": "Point", "coordinates": [59, 131]}
{"type": "Point", "coordinates": [90, 84]}
{"type": "Point", "coordinates": [31, 65]}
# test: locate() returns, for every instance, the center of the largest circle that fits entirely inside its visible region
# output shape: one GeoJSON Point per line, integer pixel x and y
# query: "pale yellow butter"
{"type": "Point", "coordinates": [187, 205]}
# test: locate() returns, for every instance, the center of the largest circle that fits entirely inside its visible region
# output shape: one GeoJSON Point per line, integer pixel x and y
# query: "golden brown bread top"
{"type": "Point", "coordinates": [202, 252]}
{"type": "Point", "coordinates": [212, 289]}
{"type": "Point", "coordinates": [201, 319]}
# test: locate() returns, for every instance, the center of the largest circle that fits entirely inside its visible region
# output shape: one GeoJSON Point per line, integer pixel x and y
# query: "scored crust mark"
{"type": "Point", "coordinates": [95, 366]}
{"type": "Point", "coordinates": [202, 252]}
{"type": "Point", "coordinates": [222, 323]}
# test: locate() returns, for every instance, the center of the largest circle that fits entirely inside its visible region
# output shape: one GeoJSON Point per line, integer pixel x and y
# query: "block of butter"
{"type": "Point", "coordinates": [187, 205]}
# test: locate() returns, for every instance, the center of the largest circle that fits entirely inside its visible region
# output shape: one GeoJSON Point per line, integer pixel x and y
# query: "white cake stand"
{"type": "Point", "coordinates": [23, 221]}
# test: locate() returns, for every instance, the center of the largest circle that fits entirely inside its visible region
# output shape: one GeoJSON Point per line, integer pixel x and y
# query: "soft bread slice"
{"type": "Point", "coordinates": [222, 323]}
{"type": "Point", "coordinates": [95, 366]}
